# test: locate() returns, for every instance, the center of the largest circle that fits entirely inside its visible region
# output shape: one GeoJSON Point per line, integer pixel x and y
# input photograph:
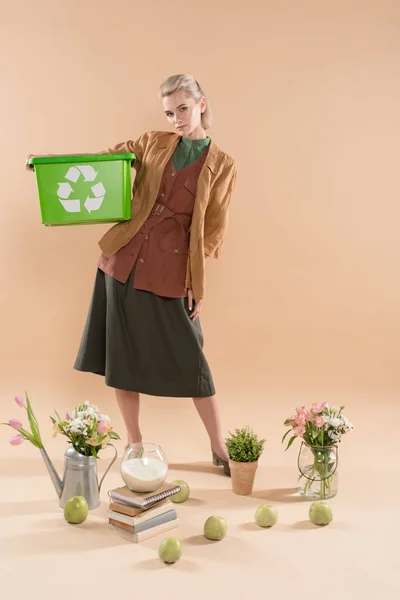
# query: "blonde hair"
{"type": "Point", "coordinates": [191, 86]}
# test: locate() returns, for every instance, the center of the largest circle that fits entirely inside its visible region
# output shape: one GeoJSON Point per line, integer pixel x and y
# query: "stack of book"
{"type": "Point", "coordinates": [138, 517]}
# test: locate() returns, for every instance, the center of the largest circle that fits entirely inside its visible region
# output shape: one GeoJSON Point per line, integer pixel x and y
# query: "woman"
{"type": "Point", "coordinates": [143, 331]}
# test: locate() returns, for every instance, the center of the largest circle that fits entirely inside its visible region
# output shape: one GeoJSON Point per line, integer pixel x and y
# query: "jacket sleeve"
{"type": "Point", "coordinates": [135, 146]}
{"type": "Point", "coordinates": [216, 217]}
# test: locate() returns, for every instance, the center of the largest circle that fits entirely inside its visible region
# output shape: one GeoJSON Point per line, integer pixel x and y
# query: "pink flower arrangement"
{"type": "Point", "coordinates": [321, 425]}
{"type": "Point", "coordinates": [321, 428]}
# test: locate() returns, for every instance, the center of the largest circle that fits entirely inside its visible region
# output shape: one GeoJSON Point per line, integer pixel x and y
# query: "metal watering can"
{"type": "Point", "coordinates": [80, 476]}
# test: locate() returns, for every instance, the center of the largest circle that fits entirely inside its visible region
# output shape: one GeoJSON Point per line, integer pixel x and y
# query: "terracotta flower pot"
{"type": "Point", "coordinates": [242, 475]}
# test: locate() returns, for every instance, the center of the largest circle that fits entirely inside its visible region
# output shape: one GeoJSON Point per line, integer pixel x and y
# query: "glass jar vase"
{"type": "Point", "coordinates": [144, 467]}
{"type": "Point", "coordinates": [318, 466]}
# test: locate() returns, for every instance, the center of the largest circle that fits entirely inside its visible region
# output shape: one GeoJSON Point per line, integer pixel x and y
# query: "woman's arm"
{"type": "Point", "coordinates": [134, 146]}
{"type": "Point", "coordinates": [216, 217]}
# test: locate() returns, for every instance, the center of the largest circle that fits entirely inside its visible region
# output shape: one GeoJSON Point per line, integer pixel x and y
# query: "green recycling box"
{"type": "Point", "coordinates": [93, 188]}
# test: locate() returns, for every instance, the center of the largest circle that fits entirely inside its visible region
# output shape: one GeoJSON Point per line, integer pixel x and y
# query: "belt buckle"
{"type": "Point", "coordinates": [158, 209]}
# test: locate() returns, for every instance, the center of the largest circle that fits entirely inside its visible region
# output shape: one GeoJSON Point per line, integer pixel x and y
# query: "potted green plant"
{"type": "Point", "coordinates": [244, 449]}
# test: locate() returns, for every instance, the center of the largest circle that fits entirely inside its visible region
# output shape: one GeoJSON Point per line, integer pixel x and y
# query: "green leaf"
{"type": "Point", "coordinates": [57, 415]}
{"type": "Point", "coordinates": [113, 435]}
{"type": "Point", "coordinates": [53, 420]}
{"type": "Point", "coordinates": [33, 422]}
{"type": "Point", "coordinates": [28, 436]}
{"type": "Point", "coordinates": [290, 442]}
{"type": "Point", "coordinates": [287, 421]}
{"type": "Point", "coordinates": [28, 404]}
{"type": "Point", "coordinates": [286, 434]}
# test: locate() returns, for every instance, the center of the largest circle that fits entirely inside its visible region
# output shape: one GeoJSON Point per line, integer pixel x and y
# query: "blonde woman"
{"type": "Point", "coordinates": [143, 332]}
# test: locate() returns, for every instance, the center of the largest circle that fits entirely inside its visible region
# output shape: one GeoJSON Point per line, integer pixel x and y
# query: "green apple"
{"type": "Point", "coordinates": [266, 515]}
{"type": "Point", "coordinates": [170, 550]}
{"type": "Point", "coordinates": [320, 513]}
{"type": "Point", "coordinates": [215, 528]}
{"type": "Point", "coordinates": [76, 510]}
{"type": "Point", "coordinates": [184, 494]}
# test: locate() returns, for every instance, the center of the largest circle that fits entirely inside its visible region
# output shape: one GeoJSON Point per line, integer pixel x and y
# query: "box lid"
{"type": "Point", "coordinates": [83, 158]}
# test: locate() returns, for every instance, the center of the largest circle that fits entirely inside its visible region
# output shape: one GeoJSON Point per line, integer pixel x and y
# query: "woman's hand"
{"type": "Point", "coordinates": [29, 167]}
{"type": "Point", "coordinates": [197, 305]}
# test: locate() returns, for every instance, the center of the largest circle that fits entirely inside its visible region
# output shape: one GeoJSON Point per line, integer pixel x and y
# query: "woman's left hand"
{"type": "Point", "coordinates": [197, 305]}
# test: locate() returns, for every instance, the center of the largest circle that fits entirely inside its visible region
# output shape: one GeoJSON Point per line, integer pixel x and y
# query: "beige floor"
{"type": "Point", "coordinates": [356, 556]}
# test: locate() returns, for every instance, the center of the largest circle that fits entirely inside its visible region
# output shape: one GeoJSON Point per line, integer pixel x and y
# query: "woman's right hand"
{"type": "Point", "coordinates": [29, 167]}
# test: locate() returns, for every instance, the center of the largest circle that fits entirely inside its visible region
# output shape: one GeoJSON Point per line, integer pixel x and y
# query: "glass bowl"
{"type": "Point", "coordinates": [144, 467]}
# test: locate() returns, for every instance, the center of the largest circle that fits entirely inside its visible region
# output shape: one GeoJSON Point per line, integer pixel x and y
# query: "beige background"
{"type": "Point", "coordinates": [303, 305]}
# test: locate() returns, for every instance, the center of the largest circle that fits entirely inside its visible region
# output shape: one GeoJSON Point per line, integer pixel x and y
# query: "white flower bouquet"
{"type": "Point", "coordinates": [87, 429]}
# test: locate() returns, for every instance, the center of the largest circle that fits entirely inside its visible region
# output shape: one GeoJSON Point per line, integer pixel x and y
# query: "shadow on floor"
{"type": "Point", "coordinates": [60, 536]}
{"type": "Point", "coordinates": [41, 507]}
{"type": "Point", "coordinates": [197, 467]}
{"type": "Point", "coordinates": [280, 495]}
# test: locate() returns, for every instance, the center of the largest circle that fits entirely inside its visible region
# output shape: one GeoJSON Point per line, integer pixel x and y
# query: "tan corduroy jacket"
{"type": "Point", "coordinates": [210, 214]}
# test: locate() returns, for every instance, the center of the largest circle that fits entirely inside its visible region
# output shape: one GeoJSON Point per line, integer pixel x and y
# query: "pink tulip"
{"type": "Point", "coordinates": [319, 422]}
{"type": "Point", "coordinates": [102, 426]}
{"type": "Point", "coordinates": [15, 424]}
{"type": "Point", "coordinates": [20, 401]}
{"type": "Point", "coordinates": [68, 416]}
{"type": "Point", "coordinates": [16, 440]}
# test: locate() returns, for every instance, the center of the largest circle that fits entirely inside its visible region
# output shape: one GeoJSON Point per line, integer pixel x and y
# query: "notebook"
{"type": "Point", "coordinates": [123, 495]}
{"type": "Point", "coordinates": [147, 533]}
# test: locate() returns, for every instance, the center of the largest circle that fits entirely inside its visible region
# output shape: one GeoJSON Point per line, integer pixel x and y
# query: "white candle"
{"type": "Point", "coordinates": [143, 474]}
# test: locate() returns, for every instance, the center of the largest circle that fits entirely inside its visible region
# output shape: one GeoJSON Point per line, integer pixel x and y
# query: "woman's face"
{"type": "Point", "coordinates": [183, 112]}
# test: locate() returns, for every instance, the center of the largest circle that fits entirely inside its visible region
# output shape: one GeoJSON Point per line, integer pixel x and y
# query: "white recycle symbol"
{"type": "Point", "coordinates": [65, 190]}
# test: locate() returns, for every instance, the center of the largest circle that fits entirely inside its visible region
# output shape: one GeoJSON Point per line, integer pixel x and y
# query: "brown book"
{"type": "Point", "coordinates": [123, 495]}
{"type": "Point", "coordinates": [165, 517]}
{"type": "Point", "coordinates": [125, 526]}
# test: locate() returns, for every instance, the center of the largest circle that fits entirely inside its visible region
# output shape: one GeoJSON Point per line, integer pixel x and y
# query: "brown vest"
{"type": "Point", "coordinates": [161, 245]}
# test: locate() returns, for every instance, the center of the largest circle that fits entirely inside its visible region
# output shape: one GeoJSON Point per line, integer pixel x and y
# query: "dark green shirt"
{"type": "Point", "coordinates": [187, 151]}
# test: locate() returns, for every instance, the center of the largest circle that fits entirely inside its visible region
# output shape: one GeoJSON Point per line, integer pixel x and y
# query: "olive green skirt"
{"type": "Point", "coordinates": [141, 342]}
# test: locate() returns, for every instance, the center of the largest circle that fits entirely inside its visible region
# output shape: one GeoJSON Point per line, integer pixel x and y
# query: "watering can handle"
{"type": "Point", "coordinates": [109, 466]}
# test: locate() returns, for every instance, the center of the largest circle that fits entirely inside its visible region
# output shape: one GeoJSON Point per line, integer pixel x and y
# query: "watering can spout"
{"type": "Point", "coordinates": [55, 478]}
